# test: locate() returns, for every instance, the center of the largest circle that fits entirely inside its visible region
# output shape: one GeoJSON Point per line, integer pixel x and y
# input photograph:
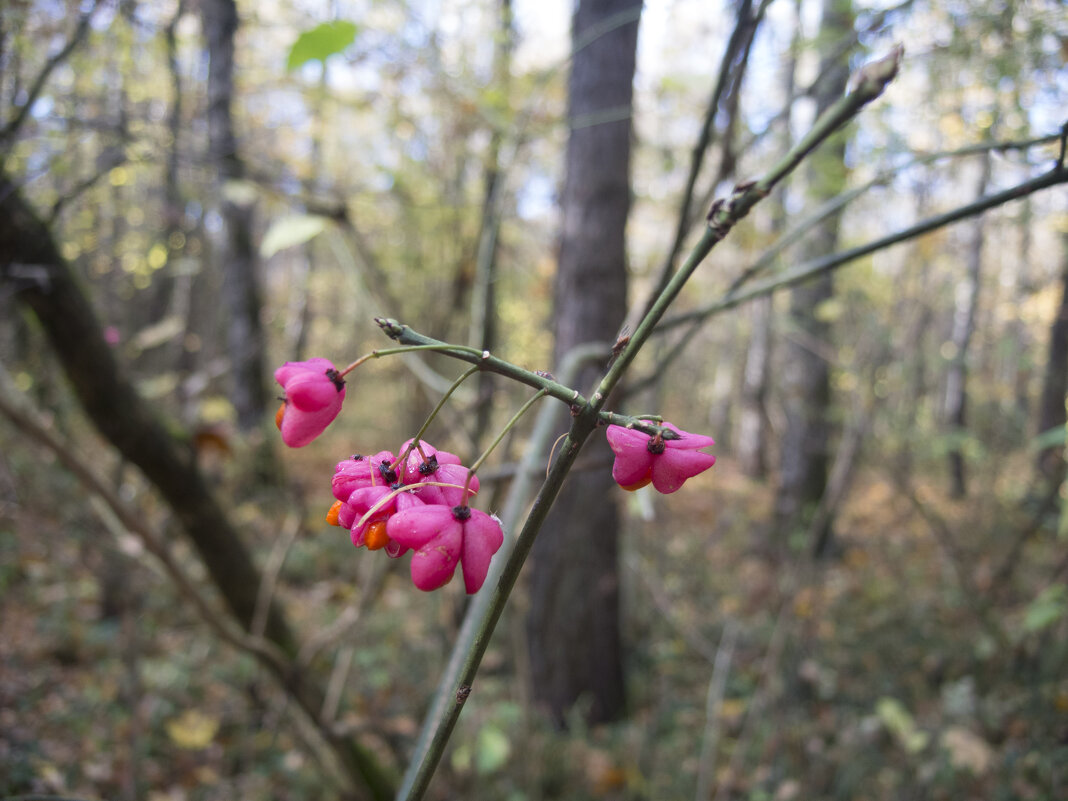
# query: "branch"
{"type": "Point", "coordinates": [424, 768]}
{"type": "Point", "coordinates": [27, 422]}
{"type": "Point", "coordinates": [371, 581]}
{"type": "Point", "coordinates": [113, 160]}
{"type": "Point", "coordinates": [518, 494]}
{"type": "Point", "coordinates": [834, 205]}
{"type": "Point", "coordinates": [717, 687]}
{"type": "Point", "coordinates": [745, 27]}
{"type": "Point", "coordinates": [542, 381]}
{"type": "Point", "coordinates": [867, 84]}
{"type": "Point", "coordinates": [825, 264]}
{"type": "Point", "coordinates": [132, 426]}
{"type": "Point", "coordinates": [405, 335]}
{"type": "Point", "coordinates": [586, 415]}
{"type": "Point", "coordinates": [8, 131]}
{"type": "Point", "coordinates": [946, 538]}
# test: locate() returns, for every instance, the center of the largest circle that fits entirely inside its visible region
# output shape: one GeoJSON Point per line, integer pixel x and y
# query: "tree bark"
{"type": "Point", "coordinates": [806, 378]}
{"type": "Point", "coordinates": [44, 282]}
{"type": "Point", "coordinates": [32, 266]}
{"type": "Point", "coordinates": [241, 283]}
{"type": "Point", "coordinates": [573, 626]}
{"type": "Point", "coordinates": [753, 417]}
{"type": "Point", "coordinates": [483, 330]}
{"type": "Point", "coordinates": [1051, 411]}
{"type": "Point", "coordinates": [967, 302]}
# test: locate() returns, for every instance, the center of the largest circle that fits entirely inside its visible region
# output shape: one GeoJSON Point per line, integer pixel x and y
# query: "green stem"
{"type": "Point", "coordinates": [375, 354]}
{"type": "Point", "coordinates": [484, 360]}
{"type": "Point", "coordinates": [497, 441]}
{"type": "Point", "coordinates": [541, 393]}
{"type": "Point", "coordinates": [581, 428]}
{"type": "Point", "coordinates": [870, 82]}
{"type": "Point", "coordinates": [825, 264]}
{"type": "Point", "coordinates": [430, 418]}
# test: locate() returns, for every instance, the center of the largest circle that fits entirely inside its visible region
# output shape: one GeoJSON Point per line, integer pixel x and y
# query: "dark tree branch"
{"type": "Point", "coordinates": [50, 290]}
{"type": "Point", "coordinates": [1058, 175]}
{"type": "Point", "coordinates": [835, 205]}
{"type": "Point", "coordinates": [730, 71]}
{"type": "Point", "coordinates": [113, 160]}
{"type": "Point", "coordinates": [7, 133]}
{"type": "Point", "coordinates": [27, 423]}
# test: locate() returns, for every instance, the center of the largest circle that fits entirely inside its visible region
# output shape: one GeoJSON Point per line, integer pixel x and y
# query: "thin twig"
{"type": "Point", "coordinates": [372, 585]}
{"type": "Point", "coordinates": [27, 423]}
{"type": "Point", "coordinates": [946, 538]}
{"type": "Point", "coordinates": [1004, 571]}
{"type": "Point", "coordinates": [745, 26]}
{"type": "Point", "coordinates": [665, 607]}
{"type": "Point", "coordinates": [9, 130]}
{"type": "Point", "coordinates": [717, 686]}
{"type": "Point", "coordinates": [264, 598]}
{"type": "Point", "coordinates": [768, 667]}
{"type": "Point", "coordinates": [336, 686]}
{"type": "Point", "coordinates": [834, 205]}
{"type": "Point", "coordinates": [73, 193]}
{"type": "Point", "coordinates": [826, 264]}
{"type": "Point", "coordinates": [872, 81]}
{"type": "Point", "coordinates": [867, 84]}
{"type": "Point", "coordinates": [514, 506]}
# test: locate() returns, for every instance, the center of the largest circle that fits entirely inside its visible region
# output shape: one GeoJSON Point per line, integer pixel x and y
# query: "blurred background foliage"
{"type": "Point", "coordinates": [925, 656]}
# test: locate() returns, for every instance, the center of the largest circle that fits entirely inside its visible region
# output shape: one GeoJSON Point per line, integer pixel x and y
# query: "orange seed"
{"type": "Point", "coordinates": [331, 516]}
{"type": "Point", "coordinates": [376, 536]}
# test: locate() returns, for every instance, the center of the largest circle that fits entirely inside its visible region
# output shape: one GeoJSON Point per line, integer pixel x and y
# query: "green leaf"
{"type": "Point", "coordinates": [492, 750]}
{"type": "Point", "coordinates": [157, 334]}
{"type": "Point", "coordinates": [295, 229]}
{"type": "Point", "coordinates": [1050, 438]}
{"type": "Point", "coordinates": [1049, 607]}
{"type": "Point", "coordinates": [240, 192]}
{"type": "Point", "coordinates": [321, 42]}
{"type": "Point", "coordinates": [899, 722]}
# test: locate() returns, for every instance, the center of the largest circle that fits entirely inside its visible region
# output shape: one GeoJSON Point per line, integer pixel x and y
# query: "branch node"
{"type": "Point", "coordinates": [871, 80]}
{"type": "Point", "coordinates": [391, 327]}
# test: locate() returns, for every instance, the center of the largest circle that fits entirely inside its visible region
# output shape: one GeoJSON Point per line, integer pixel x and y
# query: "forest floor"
{"type": "Point", "coordinates": [922, 660]}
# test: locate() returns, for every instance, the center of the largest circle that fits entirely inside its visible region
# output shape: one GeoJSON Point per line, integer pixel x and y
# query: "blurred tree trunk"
{"type": "Point", "coordinates": [913, 311]}
{"type": "Point", "coordinates": [967, 302]}
{"type": "Point", "coordinates": [31, 264]}
{"type": "Point", "coordinates": [806, 378]}
{"type": "Point", "coordinates": [33, 269]}
{"type": "Point", "coordinates": [753, 417]}
{"type": "Point", "coordinates": [1051, 411]}
{"type": "Point", "coordinates": [483, 331]}
{"type": "Point", "coordinates": [241, 289]}
{"type": "Point", "coordinates": [573, 626]}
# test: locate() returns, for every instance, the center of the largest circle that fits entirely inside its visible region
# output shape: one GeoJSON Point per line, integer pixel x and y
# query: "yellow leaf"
{"type": "Point", "coordinates": [192, 729]}
{"type": "Point", "coordinates": [732, 709]}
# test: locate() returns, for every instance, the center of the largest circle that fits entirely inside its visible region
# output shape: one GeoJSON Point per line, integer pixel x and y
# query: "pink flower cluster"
{"type": "Point", "coordinates": [664, 462]}
{"type": "Point", "coordinates": [314, 393]}
{"type": "Point", "coordinates": [417, 501]}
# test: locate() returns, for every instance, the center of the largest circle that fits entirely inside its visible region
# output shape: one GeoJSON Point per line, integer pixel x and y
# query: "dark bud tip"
{"type": "Point", "coordinates": [336, 379]}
